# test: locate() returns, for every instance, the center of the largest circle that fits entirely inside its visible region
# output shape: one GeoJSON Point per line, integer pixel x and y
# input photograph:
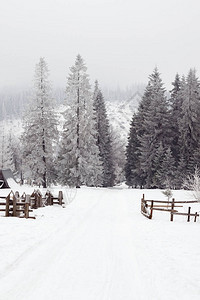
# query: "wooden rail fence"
{"type": "Point", "coordinates": [148, 206]}
{"type": "Point", "coordinates": [15, 205]}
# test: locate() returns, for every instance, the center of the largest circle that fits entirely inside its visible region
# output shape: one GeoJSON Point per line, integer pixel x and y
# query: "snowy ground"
{"type": "Point", "coordinates": [99, 247]}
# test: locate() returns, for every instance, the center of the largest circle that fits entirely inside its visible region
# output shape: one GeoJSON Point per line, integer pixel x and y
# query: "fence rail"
{"type": "Point", "coordinates": [148, 206]}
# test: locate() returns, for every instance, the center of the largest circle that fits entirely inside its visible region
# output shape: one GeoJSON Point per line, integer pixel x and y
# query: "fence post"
{"type": "Point", "coordinates": [40, 200]}
{"type": "Point", "coordinates": [151, 210]}
{"type": "Point", "coordinates": [48, 198]}
{"type": "Point", "coordinates": [26, 209]}
{"type": "Point", "coordinates": [142, 203]}
{"type": "Point", "coordinates": [189, 209]}
{"type": "Point", "coordinates": [7, 205]}
{"type": "Point", "coordinates": [60, 197]}
{"type": "Point", "coordinates": [17, 197]}
{"type": "Point", "coordinates": [14, 206]}
{"type": "Point", "coordinates": [172, 208]}
{"type": "Point", "coordinates": [51, 198]}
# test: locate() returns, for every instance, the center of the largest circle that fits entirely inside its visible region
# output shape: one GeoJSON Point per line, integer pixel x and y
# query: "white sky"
{"type": "Point", "coordinates": [121, 41]}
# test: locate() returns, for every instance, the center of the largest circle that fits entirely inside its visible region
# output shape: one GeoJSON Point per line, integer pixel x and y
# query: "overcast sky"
{"type": "Point", "coordinates": [121, 41]}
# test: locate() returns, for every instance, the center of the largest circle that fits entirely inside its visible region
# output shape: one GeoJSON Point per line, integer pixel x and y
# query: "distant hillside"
{"type": "Point", "coordinates": [120, 114]}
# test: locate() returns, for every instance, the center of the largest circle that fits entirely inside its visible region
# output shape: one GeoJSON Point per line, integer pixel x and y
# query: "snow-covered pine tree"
{"type": "Point", "coordinates": [9, 153]}
{"type": "Point", "coordinates": [166, 171]}
{"type": "Point", "coordinates": [137, 130]}
{"type": "Point", "coordinates": [91, 167]}
{"type": "Point", "coordinates": [155, 128]}
{"type": "Point", "coordinates": [104, 137]}
{"type": "Point", "coordinates": [79, 154]}
{"type": "Point", "coordinates": [175, 115]}
{"type": "Point", "coordinates": [6, 142]}
{"type": "Point", "coordinates": [132, 157]}
{"type": "Point", "coordinates": [119, 156]}
{"type": "Point", "coordinates": [40, 129]}
{"type": "Point", "coordinates": [189, 126]}
{"type": "Point", "coordinates": [156, 165]}
{"type": "Point", "coordinates": [180, 173]}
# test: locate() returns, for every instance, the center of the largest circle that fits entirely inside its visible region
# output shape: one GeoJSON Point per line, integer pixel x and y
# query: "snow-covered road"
{"type": "Point", "coordinates": [101, 248]}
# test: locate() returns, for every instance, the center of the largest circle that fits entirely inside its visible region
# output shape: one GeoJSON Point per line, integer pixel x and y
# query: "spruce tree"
{"type": "Point", "coordinates": [139, 130]}
{"type": "Point", "coordinates": [132, 152]}
{"type": "Point", "coordinates": [103, 137]}
{"type": "Point", "coordinates": [156, 165]}
{"type": "Point", "coordinates": [155, 127]}
{"type": "Point", "coordinates": [166, 171]}
{"type": "Point", "coordinates": [175, 116]}
{"type": "Point", "coordinates": [180, 173]}
{"type": "Point", "coordinates": [189, 126]}
{"type": "Point", "coordinates": [40, 129]}
{"type": "Point", "coordinates": [119, 156]}
{"type": "Point", "coordinates": [79, 154]}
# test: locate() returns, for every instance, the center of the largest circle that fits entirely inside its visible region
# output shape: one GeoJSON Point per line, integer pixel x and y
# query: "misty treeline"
{"type": "Point", "coordinates": [13, 100]}
{"type": "Point", "coordinates": [164, 140]}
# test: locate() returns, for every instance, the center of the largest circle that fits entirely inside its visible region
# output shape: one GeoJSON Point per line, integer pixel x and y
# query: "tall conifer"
{"type": "Point", "coordinates": [40, 129]}
{"type": "Point", "coordinates": [189, 126]}
{"type": "Point", "coordinates": [155, 126]}
{"type": "Point", "coordinates": [104, 137]}
{"type": "Point", "coordinates": [79, 153]}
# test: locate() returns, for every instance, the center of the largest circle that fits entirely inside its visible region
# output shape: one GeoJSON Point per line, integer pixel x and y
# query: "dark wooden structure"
{"type": "Point", "coordinates": [15, 205]}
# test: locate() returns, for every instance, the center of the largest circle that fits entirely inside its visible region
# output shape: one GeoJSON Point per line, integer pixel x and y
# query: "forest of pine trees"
{"type": "Point", "coordinates": [163, 145]}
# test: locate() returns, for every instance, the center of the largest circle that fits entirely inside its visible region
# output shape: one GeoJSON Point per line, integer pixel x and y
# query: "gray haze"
{"type": "Point", "coordinates": [121, 41]}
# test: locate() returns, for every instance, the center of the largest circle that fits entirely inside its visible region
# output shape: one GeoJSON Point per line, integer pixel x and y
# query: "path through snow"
{"type": "Point", "coordinates": [101, 248]}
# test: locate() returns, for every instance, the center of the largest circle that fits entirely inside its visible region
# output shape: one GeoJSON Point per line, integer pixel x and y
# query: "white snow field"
{"type": "Point", "coordinates": [100, 247]}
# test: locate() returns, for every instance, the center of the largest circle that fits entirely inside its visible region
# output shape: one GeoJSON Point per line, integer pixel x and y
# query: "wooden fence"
{"type": "Point", "coordinates": [37, 200]}
{"type": "Point", "coordinates": [15, 205]}
{"type": "Point", "coordinates": [148, 206]}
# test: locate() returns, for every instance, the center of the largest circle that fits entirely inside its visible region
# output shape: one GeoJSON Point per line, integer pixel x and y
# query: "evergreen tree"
{"type": "Point", "coordinates": [40, 129]}
{"type": "Point", "coordinates": [67, 159]}
{"type": "Point", "coordinates": [156, 165]}
{"type": "Point", "coordinates": [166, 172]}
{"type": "Point", "coordinates": [119, 157]}
{"type": "Point", "coordinates": [103, 137]}
{"type": "Point", "coordinates": [132, 152]}
{"type": "Point", "coordinates": [189, 126]}
{"type": "Point", "coordinates": [139, 125]}
{"type": "Point", "coordinates": [155, 127]}
{"type": "Point", "coordinates": [9, 153]}
{"type": "Point", "coordinates": [180, 173]}
{"type": "Point", "coordinates": [175, 115]}
{"type": "Point", "coordinates": [79, 153]}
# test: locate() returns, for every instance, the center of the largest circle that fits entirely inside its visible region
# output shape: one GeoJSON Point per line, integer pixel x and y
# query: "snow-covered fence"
{"type": "Point", "coordinates": [15, 206]}
{"type": "Point", "coordinates": [37, 200]}
{"type": "Point", "coordinates": [148, 206]}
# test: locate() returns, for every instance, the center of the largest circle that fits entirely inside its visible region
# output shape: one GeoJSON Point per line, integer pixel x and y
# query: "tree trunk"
{"type": "Point", "coordinates": [44, 160]}
{"type": "Point", "coordinates": [78, 138]}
